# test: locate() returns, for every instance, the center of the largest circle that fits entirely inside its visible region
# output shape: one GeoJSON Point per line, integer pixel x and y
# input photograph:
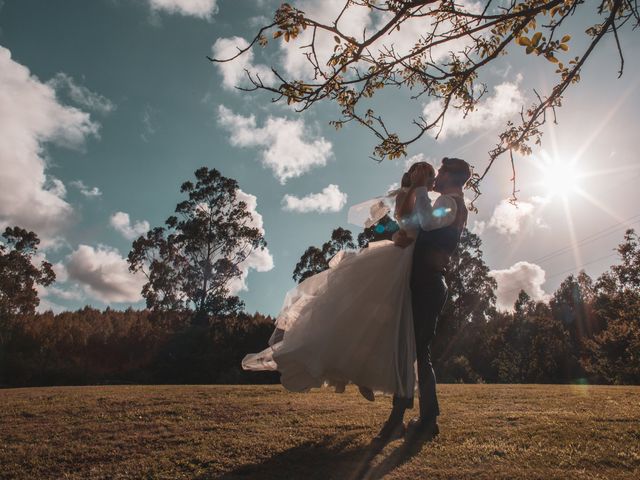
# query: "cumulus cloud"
{"type": "Point", "coordinates": [492, 111]}
{"type": "Point", "coordinates": [508, 219]}
{"type": "Point", "coordinates": [478, 227]}
{"type": "Point", "coordinates": [419, 157]}
{"type": "Point", "coordinates": [259, 260]}
{"type": "Point", "coordinates": [520, 276]}
{"type": "Point", "coordinates": [64, 294]}
{"type": "Point", "coordinates": [287, 146]}
{"type": "Point", "coordinates": [30, 117]}
{"type": "Point", "coordinates": [233, 72]}
{"type": "Point", "coordinates": [122, 223]}
{"type": "Point", "coordinates": [194, 8]}
{"type": "Point", "coordinates": [331, 199]}
{"type": "Point", "coordinates": [85, 190]}
{"type": "Point", "coordinates": [104, 274]}
{"type": "Point", "coordinates": [81, 95]}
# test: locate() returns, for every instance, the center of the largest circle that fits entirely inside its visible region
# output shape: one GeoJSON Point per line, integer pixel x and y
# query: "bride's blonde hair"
{"type": "Point", "coordinates": [426, 165]}
{"type": "Point", "coordinates": [406, 180]}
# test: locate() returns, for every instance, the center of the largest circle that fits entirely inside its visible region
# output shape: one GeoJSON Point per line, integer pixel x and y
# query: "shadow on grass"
{"type": "Point", "coordinates": [330, 459]}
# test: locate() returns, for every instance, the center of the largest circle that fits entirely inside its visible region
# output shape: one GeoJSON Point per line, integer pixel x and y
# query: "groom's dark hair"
{"type": "Point", "coordinates": [458, 169]}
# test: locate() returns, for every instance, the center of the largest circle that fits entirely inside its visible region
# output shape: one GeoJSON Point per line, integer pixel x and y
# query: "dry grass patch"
{"type": "Point", "coordinates": [240, 432]}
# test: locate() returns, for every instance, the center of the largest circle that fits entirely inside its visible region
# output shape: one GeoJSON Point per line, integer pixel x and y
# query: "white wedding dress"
{"type": "Point", "coordinates": [351, 323]}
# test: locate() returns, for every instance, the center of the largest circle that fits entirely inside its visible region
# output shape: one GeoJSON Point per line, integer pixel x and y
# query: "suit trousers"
{"type": "Point", "coordinates": [428, 296]}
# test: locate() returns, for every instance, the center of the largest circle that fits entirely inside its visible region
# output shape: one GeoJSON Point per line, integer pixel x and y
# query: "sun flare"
{"type": "Point", "coordinates": [560, 177]}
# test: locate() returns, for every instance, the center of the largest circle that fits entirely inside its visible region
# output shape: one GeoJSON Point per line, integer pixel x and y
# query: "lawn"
{"type": "Point", "coordinates": [242, 432]}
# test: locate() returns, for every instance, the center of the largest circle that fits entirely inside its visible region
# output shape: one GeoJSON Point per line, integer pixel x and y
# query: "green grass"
{"type": "Point", "coordinates": [229, 432]}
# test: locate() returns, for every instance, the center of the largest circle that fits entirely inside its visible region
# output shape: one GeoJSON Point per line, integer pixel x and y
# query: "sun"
{"type": "Point", "coordinates": [560, 177]}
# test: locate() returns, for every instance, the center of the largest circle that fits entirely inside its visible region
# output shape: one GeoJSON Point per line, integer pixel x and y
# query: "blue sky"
{"type": "Point", "coordinates": [107, 106]}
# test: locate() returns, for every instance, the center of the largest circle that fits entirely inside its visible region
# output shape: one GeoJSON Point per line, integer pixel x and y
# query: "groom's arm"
{"type": "Point", "coordinates": [441, 214]}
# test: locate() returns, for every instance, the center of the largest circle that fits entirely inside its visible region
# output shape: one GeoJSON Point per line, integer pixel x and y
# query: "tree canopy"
{"type": "Point", "coordinates": [20, 273]}
{"type": "Point", "coordinates": [190, 262]}
{"type": "Point", "coordinates": [315, 260]}
{"type": "Point", "coordinates": [444, 59]}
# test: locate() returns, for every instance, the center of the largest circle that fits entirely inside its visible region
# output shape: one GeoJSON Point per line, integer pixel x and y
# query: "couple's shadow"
{"type": "Point", "coordinates": [336, 457]}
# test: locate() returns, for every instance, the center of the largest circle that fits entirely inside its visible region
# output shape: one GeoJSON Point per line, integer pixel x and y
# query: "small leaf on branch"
{"type": "Point", "coordinates": [536, 38]}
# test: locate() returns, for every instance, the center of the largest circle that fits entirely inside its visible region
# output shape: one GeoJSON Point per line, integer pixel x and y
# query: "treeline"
{"type": "Point", "coordinates": [195, 331]}
{"type": "Point", "coordinates": [90, 346]}
{"type": "Point", "coordinates": [589, 332]}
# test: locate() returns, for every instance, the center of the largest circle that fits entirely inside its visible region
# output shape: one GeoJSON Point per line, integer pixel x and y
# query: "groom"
{"type": "Point", "coordinates": [441, 227]}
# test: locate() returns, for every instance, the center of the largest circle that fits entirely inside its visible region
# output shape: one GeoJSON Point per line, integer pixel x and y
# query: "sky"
{"type": "Point", "coordinates": [107, 106]}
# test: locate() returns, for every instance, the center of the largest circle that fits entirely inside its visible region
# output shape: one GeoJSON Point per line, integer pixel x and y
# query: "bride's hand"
{"type": "Point", "coordinates": [400, 239]}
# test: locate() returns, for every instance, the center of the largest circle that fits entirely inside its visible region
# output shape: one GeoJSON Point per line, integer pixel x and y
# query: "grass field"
{"type": "Point", "coordinates": [241, 432]}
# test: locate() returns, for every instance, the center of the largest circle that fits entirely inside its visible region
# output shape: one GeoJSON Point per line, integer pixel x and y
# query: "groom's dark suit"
{"type": "Point", "coordinates": [432, 253]}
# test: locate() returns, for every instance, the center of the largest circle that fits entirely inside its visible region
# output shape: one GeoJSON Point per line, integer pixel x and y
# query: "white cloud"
{"type": "Point", "coordinates": [104, 274]}
{"type": "Point", "coordinates": [61, 271]}
{"type": "Point", "coordinates": [331, 199]}
{"type": "Point", "coordinates": [58, 289]}
{"type": "Point", "coordinates": [81, 95]}
{"type": "Point", "coordinates": [418, 157]}
{"type": "Point", "coordinates": [478, 227]}
{"type": "Point", "coordinates": [259, 260]}
{"type": "Point", "coordinates": [520, 276]}
{"type": "Point", "coordinates": [509, 218]}
{"type": "Point", "coordinates": [233, 72]}
{"type": "Point", "coordinates": [288, 148]}
{"type": "Point", "coordinates": [122, 223]}
{"type": "Point", "coordinates": [195, 8]}
{"type": "Point", "coordinates": [30, 117]}
{"type": "Point", "coordinates": [490, 112]}
{"type": "Point", "coordinates": [73, 294]}
{"type": "Point", "coordinates": [85, 190]}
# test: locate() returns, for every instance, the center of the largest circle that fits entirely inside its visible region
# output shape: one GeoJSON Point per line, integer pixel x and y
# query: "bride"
{"type": "Point", "coordinates": [353, 322]}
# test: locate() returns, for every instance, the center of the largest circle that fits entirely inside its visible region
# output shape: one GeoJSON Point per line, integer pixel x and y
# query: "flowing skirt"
{"type": "Point", "coordinates": [350, 323]}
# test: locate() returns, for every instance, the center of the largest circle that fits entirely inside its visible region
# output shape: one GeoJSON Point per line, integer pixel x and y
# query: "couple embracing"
{"type": "Point", "coordinates": [370, 318]}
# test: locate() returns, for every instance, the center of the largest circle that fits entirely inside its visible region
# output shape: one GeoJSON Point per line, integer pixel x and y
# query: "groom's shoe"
{"type": "Point", "coordinates": [422, 428]}
{"type": "Point", "coordinates": [366, 393]}
{"type": "Point", "coordinates": [390, 431]}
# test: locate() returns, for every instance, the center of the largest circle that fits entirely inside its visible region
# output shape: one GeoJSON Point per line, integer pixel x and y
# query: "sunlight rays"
{"type": "Point", "coordinates": [563, 178]}
{"type": "Point", "coordinates": [577, 254]}
{"type": "Point", "coordinates": [597, 203]}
